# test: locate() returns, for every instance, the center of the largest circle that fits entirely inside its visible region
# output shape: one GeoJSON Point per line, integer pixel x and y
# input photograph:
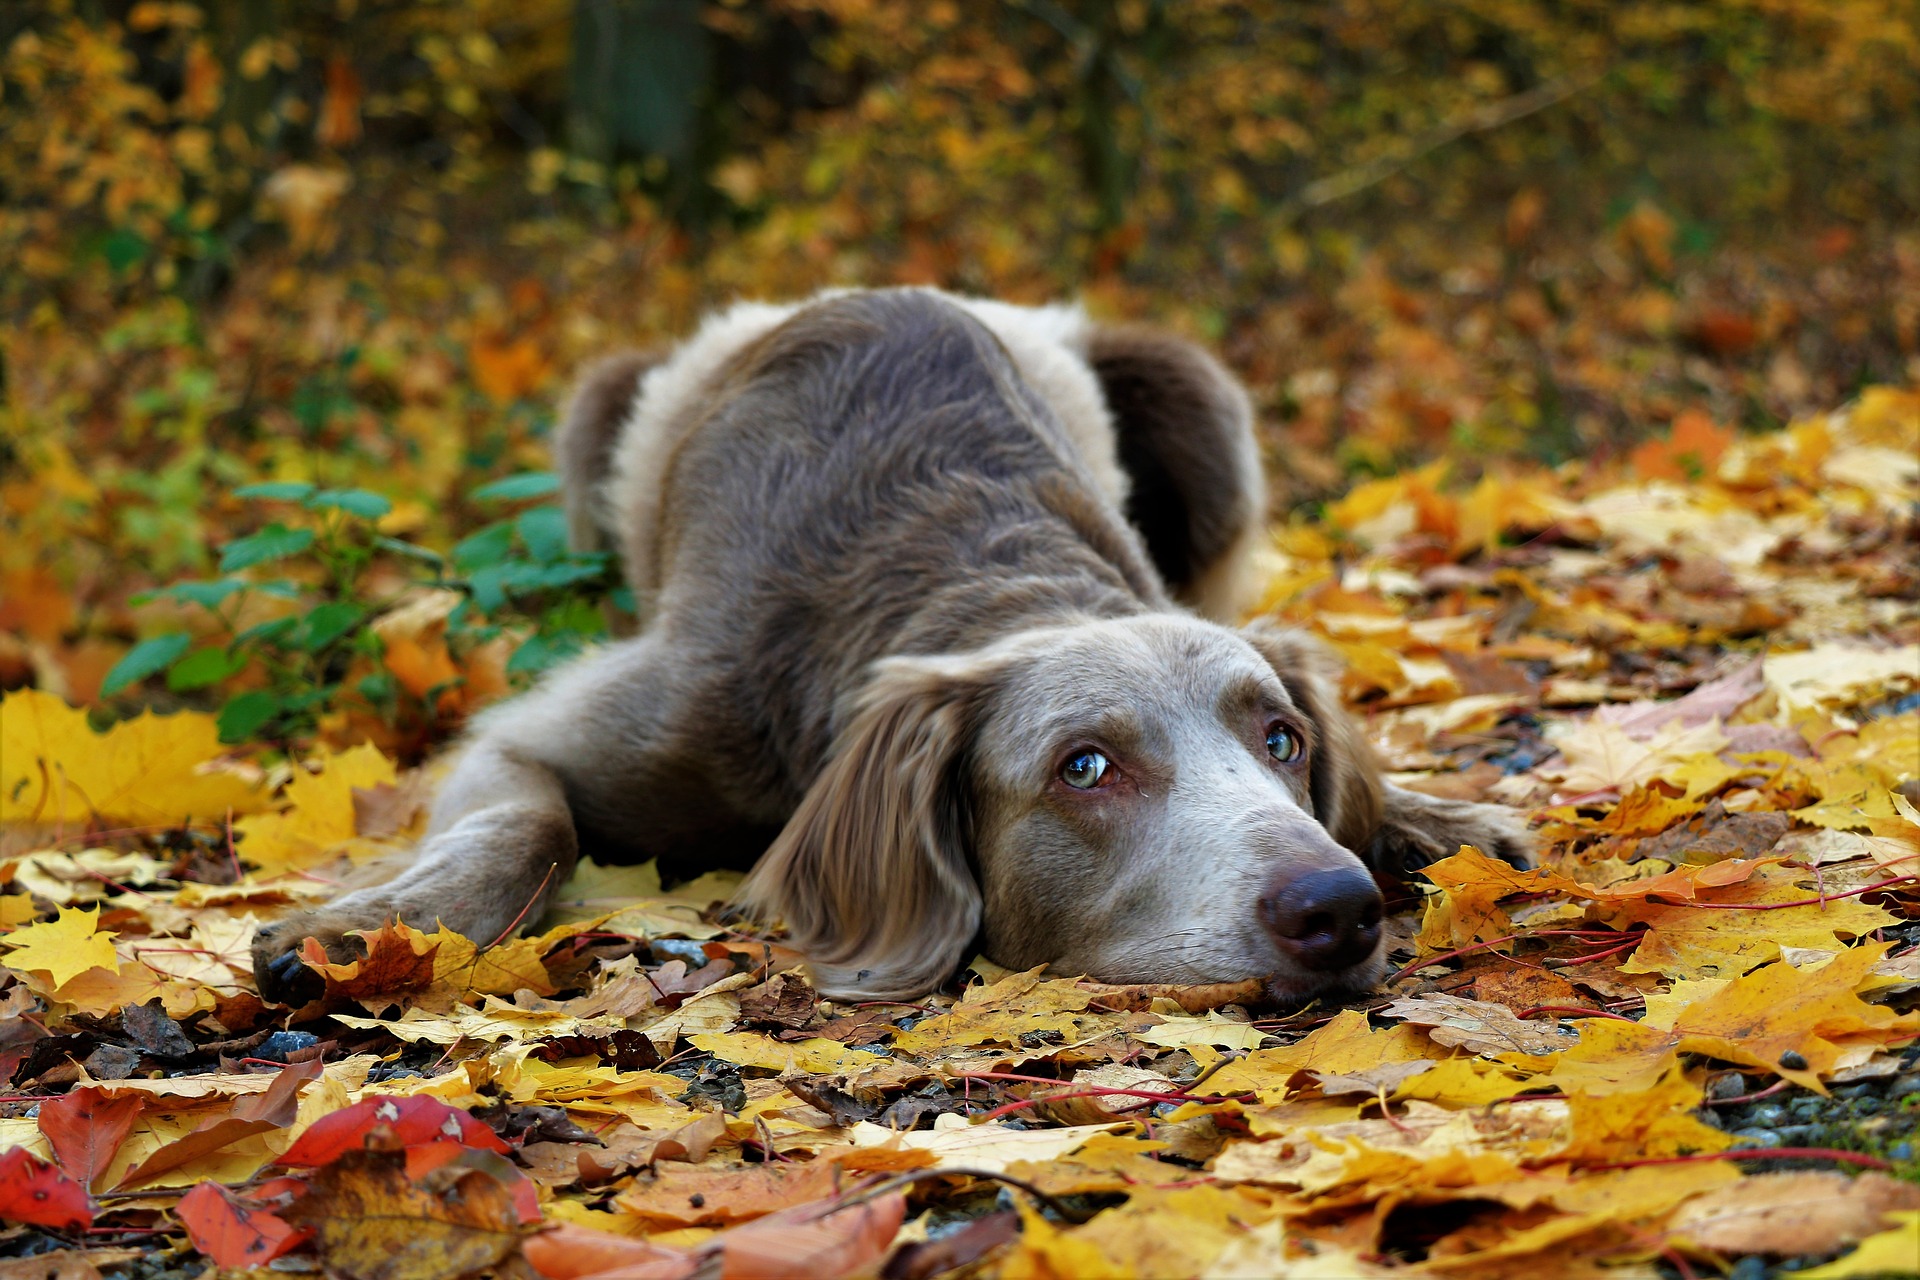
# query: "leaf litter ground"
{"type": "Point", "coordinates": [1683, 1046]}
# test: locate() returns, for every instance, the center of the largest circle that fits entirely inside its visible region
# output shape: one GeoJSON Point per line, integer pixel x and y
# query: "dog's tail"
{"type": "Point", "coordinates": [598, 410]}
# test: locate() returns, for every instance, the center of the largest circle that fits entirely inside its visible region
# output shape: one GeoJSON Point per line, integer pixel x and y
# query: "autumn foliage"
{"type": "Point", "coordinates": [1584, 345]}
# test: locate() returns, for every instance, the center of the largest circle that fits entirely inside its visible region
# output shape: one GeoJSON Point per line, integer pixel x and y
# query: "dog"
{"type": "Point", "coordinates": [936, 600]}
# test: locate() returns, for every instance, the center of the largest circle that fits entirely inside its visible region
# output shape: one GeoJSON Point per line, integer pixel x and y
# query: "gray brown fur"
{"type": "Point", "coordinates": [889, 583]}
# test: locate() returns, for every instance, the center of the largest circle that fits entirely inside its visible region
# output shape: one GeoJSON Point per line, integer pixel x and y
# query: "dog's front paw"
{"type": "Point", "coordinates": [279, 972]}
{"type": "Point", "coordinates": [1420, 830]}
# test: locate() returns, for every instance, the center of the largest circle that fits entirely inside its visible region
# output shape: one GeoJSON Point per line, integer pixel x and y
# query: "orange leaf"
{"type": "Point", "coordinates": [86, 1127]}
{"type": "Point", "coordinates": [231, 1232]}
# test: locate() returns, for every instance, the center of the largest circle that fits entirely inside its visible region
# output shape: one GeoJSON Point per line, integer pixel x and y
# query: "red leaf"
{"type": "Point", "coordinates": [86, 1128]}
{"type": "Point", "coordinates": [31, 1190]}
{"type": "Point", "coordinates": [412, 1120]}
{"type": "Point", "coordinates": [230, 1232]}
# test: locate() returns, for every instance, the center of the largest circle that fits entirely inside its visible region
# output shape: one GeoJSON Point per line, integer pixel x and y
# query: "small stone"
{"type": "Point", "coordinates": [1751, 1267]}
{"type": "Point", "coordinates": [1867, 1106]}
{"type": "Point", "coordinates": [1769, 1115]}
{"type": "Point", "coordinates": [1901, 1151]}
{"type": "Point", "coordinates": [1756, 1138]}
{"type": "Point", "coordinates": [1709, 1117]}
{"type": "Point", "coordinates": [277, 1046]}
{"type": "Point", "coordinates": [1732, 1085]}
{"type": "Point", "coordinates": [1799, 1135]}
{"type": "Point", "coordinates": [1805, 1108]}
{"type": "Point", "coordinates": [1902, 1086]}
{"type": "Point", "coordinates": [1791, 1060]}
{"type": "Point", "coordinates": [1865, 1089]}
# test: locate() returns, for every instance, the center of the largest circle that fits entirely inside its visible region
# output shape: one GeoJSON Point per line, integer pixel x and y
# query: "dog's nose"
{"type": "Point", "coordinates": [1325, 919]}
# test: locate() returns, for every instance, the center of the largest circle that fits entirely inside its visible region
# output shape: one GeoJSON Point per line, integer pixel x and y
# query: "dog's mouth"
{"type": "Point", "coordinates": [1298, 986]}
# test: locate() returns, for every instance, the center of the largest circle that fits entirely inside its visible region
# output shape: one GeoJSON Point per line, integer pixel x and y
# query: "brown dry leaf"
{"type": "Point", "coordinates": [399, 959]}
{"type": "Point", "coordinates": [1478, 1026]}
{"type": "Point", "coordinates": [1346, 1046]}
{"type": "Point", "coordinates": [678, 1195]}
{"type": "Point", "coordinates": [1807, 1211]}
{"type": "Point", "coordinates": [265, 1112]}
{"type": "Point", "coordinates": [1717, 699]}
{"type": "Point", "coordinates": [372, 1222]}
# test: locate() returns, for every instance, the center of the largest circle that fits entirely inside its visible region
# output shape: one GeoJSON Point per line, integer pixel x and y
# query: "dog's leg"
{"type": "Point", "coordinates": [602, 733]}
{"type": "Point", "coordinates": [502, 842]}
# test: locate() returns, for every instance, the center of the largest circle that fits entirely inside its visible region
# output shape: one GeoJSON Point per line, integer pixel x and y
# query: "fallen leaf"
{"type": "Point", "coordinates": [63, 948]}
{"type": "Point", "coordinates": [35, 1192]}
{"type": "Point", "coordinates": [320, 818]}
{"type": "Point", "coordinates": [410, 1120]}
{"type": "Point", "coordinates": [150, 770]}
{"type": "Point", "coordinates": [371, 1221]}
{"type": "Point", "coordinates": [1893, 1252]}
{"type": "Point", "coordinates": [232, 1232]}
{"type": "Point", "coordinates": [1807, 1211]}
{"type": "Point", "coordinates": [1477, 1026]}
{"type": "Point", "coordinates": [86, 1128]}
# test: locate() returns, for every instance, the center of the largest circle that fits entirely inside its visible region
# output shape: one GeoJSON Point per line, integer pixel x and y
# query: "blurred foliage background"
{"type": "Point", "coordinates": [360, 244]}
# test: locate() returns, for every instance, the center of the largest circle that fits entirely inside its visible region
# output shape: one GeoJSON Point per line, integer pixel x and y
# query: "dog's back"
{"type": "Point", "coordinates": [871, 476]}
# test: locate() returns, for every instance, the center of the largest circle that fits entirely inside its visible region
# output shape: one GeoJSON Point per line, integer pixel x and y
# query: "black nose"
{"type": "Point", "coordinates": [1324, 919]}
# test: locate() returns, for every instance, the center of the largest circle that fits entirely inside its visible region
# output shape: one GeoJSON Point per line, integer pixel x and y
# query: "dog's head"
{"type": "Point", "coordinates": [1151, 799]}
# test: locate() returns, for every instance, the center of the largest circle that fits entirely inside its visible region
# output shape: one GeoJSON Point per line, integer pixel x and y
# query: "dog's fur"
{"type": "Point", "coordinates": [897, 555]}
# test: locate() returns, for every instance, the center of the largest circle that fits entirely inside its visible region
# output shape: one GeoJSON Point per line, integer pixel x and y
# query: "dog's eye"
{"type": "Point", "coordinates": [1084, 770]}
{"type": "Point", "coordinates": [1282, 745]}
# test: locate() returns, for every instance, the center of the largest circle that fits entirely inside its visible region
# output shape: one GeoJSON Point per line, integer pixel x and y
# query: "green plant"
{"type": "Point", "coordinates": [318, 650]}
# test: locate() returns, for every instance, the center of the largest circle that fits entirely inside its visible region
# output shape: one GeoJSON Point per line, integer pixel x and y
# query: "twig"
{"type": "Point", "coordinates": [1573, 1011]}
{"type": "Point", "coordinates": [1767, 1092]}
{"type": "Point", "coordinates": [1799, 902]}
{"type": "Point", "coordinates": [1488, 116]}
{"type": "Point", "coordinates": [515, 924]}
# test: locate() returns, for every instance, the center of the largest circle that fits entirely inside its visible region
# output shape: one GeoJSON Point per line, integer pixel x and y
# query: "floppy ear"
{"type": "Point", "coordinates": [872, 873]}
{"type": "Point", "coordinates": [1395, 831]}
{"type": "Point", "coordinates": [1344, 776]}
{"type": "Point", "coordinates": [1183, 427]}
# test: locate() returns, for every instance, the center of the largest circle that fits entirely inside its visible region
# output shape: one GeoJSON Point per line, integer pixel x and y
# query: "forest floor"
{"type": "Point", "coordinates": [1684, 1046]}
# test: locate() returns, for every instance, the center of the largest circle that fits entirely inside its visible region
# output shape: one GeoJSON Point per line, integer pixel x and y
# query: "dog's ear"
{"type": "Point", "coordinates": [1183, 427]}
{"type": "Point", "coordinates": [596, 412]}
{"type": "Point", "coordinates": [1344, 775]}
{"type": "Point", "coordinates": [872, 874]}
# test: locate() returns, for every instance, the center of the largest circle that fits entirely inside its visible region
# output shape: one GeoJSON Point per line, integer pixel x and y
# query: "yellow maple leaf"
{"type": "Point", "coordinates": [1001, 1012]}
{"type": "Point", "coordinates": [1760, 1018]}
{"type": "Point", "coordinates": [319, 821]}
{"type": "Point", "coordinates": [751, 1049]}
{"type": "Point", "coordinates": [1893, 1252]}
{"type": "Point", "coordinates": [63, 948]}
{"type": "Point", "coordinates": [1345, 1046]}
{"type": "Point", "coordinates": [148, 771]}
{"type": "Point", "coordinates": [1635, 1124]}
{"type": "Point", "coordinates": [1701, 941]}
